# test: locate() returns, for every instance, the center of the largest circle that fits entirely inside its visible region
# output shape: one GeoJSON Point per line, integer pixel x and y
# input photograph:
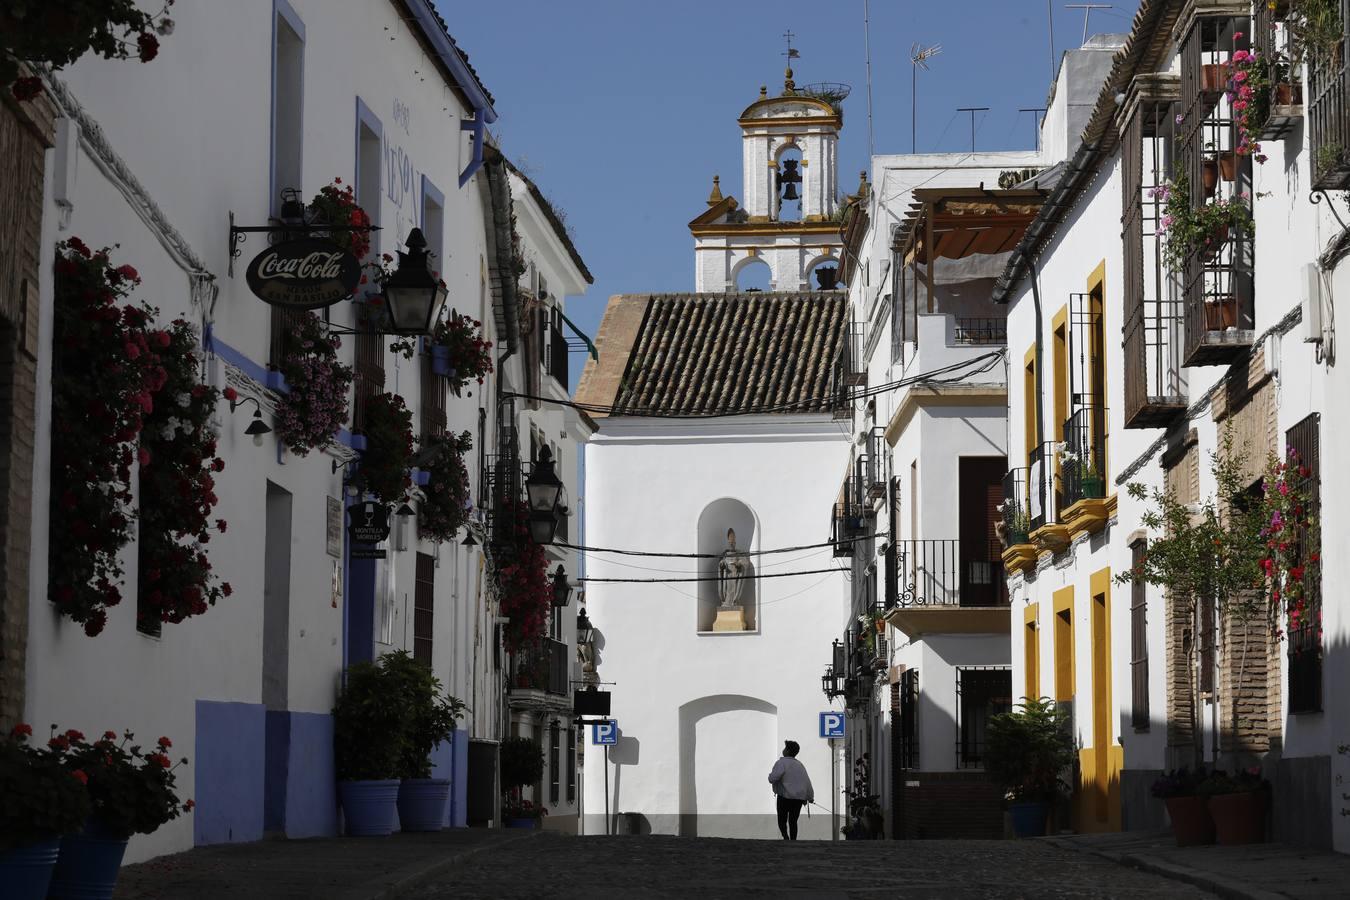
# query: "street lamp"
{"type": "Point", "coordinates": [562, 589]}
{"type": "Point", "coordinates": [584, 627]}
{"type": "Point", "coordinates": [257, 427]}
{"type": "Point", "coordinates": [414, 295]}
{"type": "Point", "coordinates": [827, 682]}
{"type": "Point", "coordinates": [543, 489]}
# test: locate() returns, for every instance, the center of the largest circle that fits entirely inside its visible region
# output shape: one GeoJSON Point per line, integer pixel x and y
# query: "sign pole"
{"type": "Point", "coordinates": [607, 831]}
{"type": "Point", "coordinates": [834, 794]}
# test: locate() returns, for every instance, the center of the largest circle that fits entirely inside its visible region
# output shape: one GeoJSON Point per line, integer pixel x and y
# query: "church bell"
{"type": "Point", "coordinates": [790, 178]}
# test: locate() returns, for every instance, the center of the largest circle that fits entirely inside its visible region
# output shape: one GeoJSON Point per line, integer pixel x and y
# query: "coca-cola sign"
{"type": "Point", "coordinates": [308, 273]}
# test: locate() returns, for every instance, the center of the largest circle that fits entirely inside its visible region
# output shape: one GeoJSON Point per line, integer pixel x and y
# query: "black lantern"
{"type": "Point", "coordinates": [468, 539]}
{"type": "Point", "coordinates": [827, 682]}
{"type": "Point", "coordinates": [292, 213]}
{"type": "Point", "coordinates": [584, 627]}
{"type": "Point", "coordinates": [544, 490]}
{"type": "Point", "coordinates": [414, 295]}
{"type": "Point", "coordinates": [562, 588]}
{"type": "Point", "coordinates": [840, 659]}
{"type": "Point", "coordinates": [405, 510]}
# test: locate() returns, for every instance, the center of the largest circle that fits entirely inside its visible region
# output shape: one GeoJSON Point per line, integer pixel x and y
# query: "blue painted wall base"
{"type": "Point", "coordinates": [451, 760]}
{"type": "Point", "coordinates": [228, 766]}
{"type": "Point", "coordinates": [301, 786]}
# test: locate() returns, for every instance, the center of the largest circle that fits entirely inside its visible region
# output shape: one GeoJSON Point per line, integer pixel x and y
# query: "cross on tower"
{"type": "Point", "coordinates": [790, 53]}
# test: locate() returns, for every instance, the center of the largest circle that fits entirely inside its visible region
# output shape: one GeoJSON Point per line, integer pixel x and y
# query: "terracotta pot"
{"type": "Point", "coordinates": [1210, 172]}
{"type": "Point", "coordinates": [1221, 313]}
{"type": "Point", "coordinates": [1216, 241]}
{"type": "Point", "coordinates": [1285, 94]}
{"type": "Point", "coordinates": [1240, 818]}
{"type": "Point", "coordinates": [1213, 78]}
{"type": "Point", "coordinates": [1228, 165]}
{"type": "Point", "coordinates": [1191, 822]}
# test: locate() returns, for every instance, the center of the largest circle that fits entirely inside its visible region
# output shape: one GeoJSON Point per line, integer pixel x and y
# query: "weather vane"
{"type": "Point", "coordinates": [790, 53]}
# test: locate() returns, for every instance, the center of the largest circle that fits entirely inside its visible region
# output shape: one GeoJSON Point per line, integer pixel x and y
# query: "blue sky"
{"type": "Point", "coordinates": [622, 111]}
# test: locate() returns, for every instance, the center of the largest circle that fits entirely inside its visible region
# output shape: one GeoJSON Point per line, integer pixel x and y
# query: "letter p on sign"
{"type": "Point", "coordinates": [831, 724]}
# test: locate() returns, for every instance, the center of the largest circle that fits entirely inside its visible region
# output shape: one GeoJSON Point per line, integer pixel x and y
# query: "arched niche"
{"type": "Point", "coordinates": [752, 274]}
{"type": "Point", "coordinates": [824, 261]}
{"type": "Point", "coordinates": [724, 740]}
{"type": "Point", "coordinates": [713, 522]}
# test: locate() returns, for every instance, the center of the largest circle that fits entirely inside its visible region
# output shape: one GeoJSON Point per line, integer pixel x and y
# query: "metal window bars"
{"type": "Point", "coordinates": [982, 692]}
{"type": "Point", "coordinates": [983, 330]}
{"type": "Point", "coordinates": [1329, 113]}
{"type": "Point", "coordinates": [877, 469]}
{"type": "Point", "coordinates": [1305, 631]}
{"type": "Point", "coordinates": [1082, 463]}
{"type": "Point", "coordinates": [908, 729]}
{"type": "Point", "coordinates": [1271, 39]}
{"type": "Point", "coordinates": [1016, 507]}
{"type": "Point", "coordinates": [1043, 488]}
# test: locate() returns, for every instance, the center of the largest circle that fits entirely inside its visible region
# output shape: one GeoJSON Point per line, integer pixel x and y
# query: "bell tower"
{"type": "Point", "coordinates": [789, 163]}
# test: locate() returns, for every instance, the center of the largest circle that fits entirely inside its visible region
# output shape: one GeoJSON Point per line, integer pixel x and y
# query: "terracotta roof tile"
{"type": "Point", "coordinates": [713, 352]}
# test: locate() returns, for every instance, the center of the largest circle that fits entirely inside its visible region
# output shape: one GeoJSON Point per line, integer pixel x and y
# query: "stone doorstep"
{"type": "Point", "coordinates": [1237, 872]}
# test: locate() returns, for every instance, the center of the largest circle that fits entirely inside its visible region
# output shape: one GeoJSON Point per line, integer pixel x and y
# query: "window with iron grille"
{"type": "Point", "coordinates": [981, 692]}
{"type": "Point", "coordinates": [1305, 632]}
{"type": "Point", "coordinates": [368, 372]}
{"type": "Point", "coordinates": [1139, 711]}
{"type": "Point", "coordinates": [571, 765]}
{"type": "Point", "coordinates": [908, 725]}
{"type": "Point", "coordinates": [554, 755]}
{"type": "Point", "coordinates": [433, 401]}
{"type": "Point", "coordinates": [424, 607]}
{"type": "Point", "coordinates": [1329, 111]}
{"type": "Point", "coordinates": [1208, 637]}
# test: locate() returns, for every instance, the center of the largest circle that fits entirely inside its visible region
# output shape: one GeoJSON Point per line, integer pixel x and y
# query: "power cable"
{"type": "Point", "coordinates": [852, 540]}
{"type": "Point", "coordinates": [678, 580]}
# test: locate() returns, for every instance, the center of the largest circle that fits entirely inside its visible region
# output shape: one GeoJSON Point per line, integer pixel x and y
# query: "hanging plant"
{"type": "Point", "coordinates": [335, 204]}
{"type": "Point", "coordinates": [1292, 539]}
{"type": "Point", "coordinates": [447, 504]}
{"type": "Point", "coordinates": [178, 465]}
{"type": "Point", "coordinates": [58, 32]}
{"type": "Point", "coordinates": [309, 416]}
{"type": "Point", "coordinates": [1187, 231]}
{"type": "Point", "coordinates": [105, 374]}
{"type": "Point", "coordinates": [524, 591]}
{"type": "Point", "coordinates": [1249, 94]}
{"type": "Point", "coordinates": [461, 353]}
{"type": "Point", "coordinates": [389, 447]}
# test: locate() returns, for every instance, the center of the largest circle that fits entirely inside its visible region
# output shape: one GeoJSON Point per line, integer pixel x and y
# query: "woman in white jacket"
{"type": "Point", "coordinates": [793, 787]}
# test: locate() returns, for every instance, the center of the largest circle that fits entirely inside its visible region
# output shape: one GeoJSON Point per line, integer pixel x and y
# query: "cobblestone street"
{"type": "Point", "coordinates": [657, 866]}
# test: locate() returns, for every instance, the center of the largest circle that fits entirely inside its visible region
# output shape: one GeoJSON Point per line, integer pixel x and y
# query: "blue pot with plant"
{"type": "Point", "coordinates": [368, 738]}
{"type": "Point", "coordinates": [521, 762]}
{"type": "Point", "coordinates": [42, 801]}
{"type": "Point", "coordinates": [429, 718]}
{"type": "Point", "coordinates": [1028, 750]}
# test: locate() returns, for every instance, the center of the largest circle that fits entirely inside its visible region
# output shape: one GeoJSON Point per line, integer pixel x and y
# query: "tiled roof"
{"type": "Point", "coordinates": [551, 213]}
{"type": "Point", "coordinates": [711, 353]}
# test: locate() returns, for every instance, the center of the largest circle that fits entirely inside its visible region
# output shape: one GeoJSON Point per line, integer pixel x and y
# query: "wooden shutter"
{"type": "Point", "coordinates": [424, 607]}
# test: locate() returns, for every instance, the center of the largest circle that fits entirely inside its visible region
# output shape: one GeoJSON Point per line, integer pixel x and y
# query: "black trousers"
{"type": "Point", "coordinates": [788, 811]}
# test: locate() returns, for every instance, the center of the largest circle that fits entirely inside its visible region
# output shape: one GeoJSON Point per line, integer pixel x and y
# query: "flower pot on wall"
{"type": "Point", "coordinates": [1221, 313]}
{"type": "Point", "coordinates": [1214, 77]}
{"type": "Point", "coordinates": [441, 363]}
{"type": "Point", "coordinates": [1239, 818]}
{"type": "Point", "coordinates": [521, 823]}
{"type": "Point", "coordinates": [26, 871]}
{"type": "Point", "coordinates": [421, 803]}
{"type": "Point", "coordinates": [370, 807]}
{"type": "Point", "coordinates": [1228, 165]}
{"type": "Point", "coordinates": [1286, 94]}
{"type": "Point", "coordinates": [88, 865]}
{"type": "Point", "coordinates": [1093, 489]}
{"type": "Point", "coordinates": [1210, 172]}
{"type": "Point", "coordinates": [1191, 822]}
{"type": "Point", "coordinates": [1217, 238]}
{"type": "Point", "coordinates": [1028, 819]}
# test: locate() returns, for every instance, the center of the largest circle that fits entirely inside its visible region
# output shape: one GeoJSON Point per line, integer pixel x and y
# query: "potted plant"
{"type": "Point", "coordinates": [368, 740]}
{"type": "Point", "coordinates": [1027, 750]}
{"type": "Point", "coordinates": [522, 814]}
{"type": "Point", "coordinates": [446, 504]}
{"type": "Point", "coordinates": [1186, 809]}
{"type": "Point", "coordinates": [1238, 805]}
{"type": "Point", "coordinates": [389, 447]}
{"type": "Point", "coordinates": [43, 801]}
{"type": "Point", "coordinates": [429, 716]}
{"type": "Point", "coordinates": [522, 763]}
{"type": "Point", "coordinates": [1187, 231]}
{"type": "Point", "coordinates": [1016, 522]}
{"type": "Point", "coordinates": [458, 352]}
{"type": "Point", "coordinates": [314, 406]}
{"type": "Point", "coordinates": [335, 204]}
{"type": "Point", "coordinates": [131, 791]}
{"type": "Point", "coordinates": [1221, 312]}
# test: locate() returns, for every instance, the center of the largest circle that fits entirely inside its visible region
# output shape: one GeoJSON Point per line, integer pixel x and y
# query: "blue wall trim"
{"type": "Point", "coordinates": [228, 766]}
{"type": "Point", "coordinates": [232, 356]}
{"type": "Point", "coordinates": [450, 760]}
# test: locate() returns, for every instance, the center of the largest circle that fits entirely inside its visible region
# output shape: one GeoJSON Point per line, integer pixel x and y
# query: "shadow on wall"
{"type": "Point", "coordinates": [738, 761]}
{"type": "Point", "coordinates": [624, 752]}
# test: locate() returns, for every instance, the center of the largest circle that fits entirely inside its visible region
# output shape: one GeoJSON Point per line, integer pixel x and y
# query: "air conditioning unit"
{"type": "Point", "coordinates": [1312, 304]}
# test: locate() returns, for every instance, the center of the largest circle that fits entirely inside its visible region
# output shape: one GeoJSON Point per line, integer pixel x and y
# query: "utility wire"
{"type": "Point", "coordinates": [851, 540]}
{"type": "Point", "coordinates": [674, 580]}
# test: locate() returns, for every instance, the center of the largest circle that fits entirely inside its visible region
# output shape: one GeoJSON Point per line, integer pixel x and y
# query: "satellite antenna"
{"type": "Point", "coordinates": [918, 58]}
{"type": "Point", "coordinates": [1087, 9]}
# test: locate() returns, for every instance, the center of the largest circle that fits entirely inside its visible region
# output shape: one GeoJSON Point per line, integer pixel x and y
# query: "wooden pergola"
{"type": "Point", "coordinates": [953, 223]}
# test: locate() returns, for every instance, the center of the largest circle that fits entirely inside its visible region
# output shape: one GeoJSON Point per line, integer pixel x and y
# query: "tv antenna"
{"type": "Point", "coordinates": [1087, 9]}
{"type": "Point", "coordinates": [918, 58]}
{"type": "Point", "coordinates": [972, 110]}
{"type": "Point", "coordinates": [1035, 121]}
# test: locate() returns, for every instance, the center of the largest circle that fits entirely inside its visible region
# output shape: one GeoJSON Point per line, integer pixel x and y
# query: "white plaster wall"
{"type": "Point", "coordinates": [647, 484]}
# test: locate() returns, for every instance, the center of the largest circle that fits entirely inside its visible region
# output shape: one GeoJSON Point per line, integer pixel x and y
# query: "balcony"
{"type": "Point", "coordinates": [847, 522]}
{"type": "Point", "coordinates": [1083, 471]}
{"type": "Point", "coordinates": [541, 676]}
{"type": "Point", "coordinates": [874, 464]}
{"type": "Point", "coordinates": [1271, 39]}
{"type": "Point", "coordinates": [947, 587]}
{"type": "Point", "coordinates": [854, 359]}
{"type": "Point", "coordinates": [1018, 550]}
{"type": "Point", "coordinates": [1045, 500]}
{"type": "Point", "coordinates": [1329, 114]}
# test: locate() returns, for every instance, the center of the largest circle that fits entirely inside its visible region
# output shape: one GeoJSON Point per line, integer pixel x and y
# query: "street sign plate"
{"type": "Point", "coordinates": [831, 724]}
{"type": "Point", "coordinates": [603, 733]}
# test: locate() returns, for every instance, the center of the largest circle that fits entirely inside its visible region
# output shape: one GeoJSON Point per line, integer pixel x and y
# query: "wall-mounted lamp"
{"type": "Point", "coordinates": [256, 428]}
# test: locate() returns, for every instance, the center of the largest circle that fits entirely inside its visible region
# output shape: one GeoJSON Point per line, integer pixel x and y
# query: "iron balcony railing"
{"type": "Point", "coordinates": [1082, 463]}
{"type": "Point", "coordinates": [1042, 487]}
{"type": "Point", "coordinates": [1329, 112]}
{"type": "Point", "coordinates": [846, 524]}
{"type": "Point", "coordinates": [947, 572]}
{"type": "Point", "coordinates": [854, 356]}
{"type": "Point", "coordinates": [1016, 508]}
{"type": "Point", "coordinates": [986, 330]}
{"type": "Point", "coordinates": [877, 469]}
{"type": "Point", "coordinates": [542, 666]}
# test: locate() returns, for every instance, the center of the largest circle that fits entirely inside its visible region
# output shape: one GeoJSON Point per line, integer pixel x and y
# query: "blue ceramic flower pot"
{"type": "Point", "coordinates": [521, 823]}
{"type": "Point", "coordinates": [88, 865]}
{"type": "Point", "coordinates": [421, 803]}
{"type": "Point", "coordinates": [370, 807]}
{"type": "Point", "coordinates": [441, 362]}
{"type": "Point", "coordinates": [1028, 819]}
{"type": "Point", "coordinates": [25, 872]}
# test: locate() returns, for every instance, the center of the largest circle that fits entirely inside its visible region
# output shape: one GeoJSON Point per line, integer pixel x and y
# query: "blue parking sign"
{"type": "Point", "coordinates": [605, 732]}
{"type": "Point", "coordinates": [831, 724]}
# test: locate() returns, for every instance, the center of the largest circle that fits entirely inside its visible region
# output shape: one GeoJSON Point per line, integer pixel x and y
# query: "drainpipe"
{"type": "Point", "coordinates": [1040, 342]}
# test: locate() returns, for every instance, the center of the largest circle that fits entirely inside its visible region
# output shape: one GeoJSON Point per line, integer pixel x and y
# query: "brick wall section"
{"type": "Point", "coordinates": [950, 805]}
{"type": "Point", "coordinates": [25, 134]}
{"type": "Point", "coordinates": [1182, 479]}
{"type": "Point", "coordinates": [1253, 727]}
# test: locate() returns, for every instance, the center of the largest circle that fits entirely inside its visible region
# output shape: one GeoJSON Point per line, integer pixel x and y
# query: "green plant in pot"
{"type": "Point", "coordinates": [1186, 809]}
{"type": "Point", "coordinates": [1238, 804]}
{"type": "Point", "coordinates": [522, 763]}
{"type": "Point", "coordinates": [43, 801]}
{"type": "Point", "coordinates": [429, 716]}
{"type": "Point", "coordinates": [1028, 751]}
{"type": "Point", "coordinates": [369, 734]}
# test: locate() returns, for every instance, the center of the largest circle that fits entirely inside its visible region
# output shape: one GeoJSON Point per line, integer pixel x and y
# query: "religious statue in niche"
{"type": "Point", "coordinates": [733, 568]}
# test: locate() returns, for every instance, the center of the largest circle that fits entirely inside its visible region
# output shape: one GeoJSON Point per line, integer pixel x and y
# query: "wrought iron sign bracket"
{"type": "Point", "coordinates": [239, 234]}
{"type": "Point", "coordinates": [1320, 194]}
